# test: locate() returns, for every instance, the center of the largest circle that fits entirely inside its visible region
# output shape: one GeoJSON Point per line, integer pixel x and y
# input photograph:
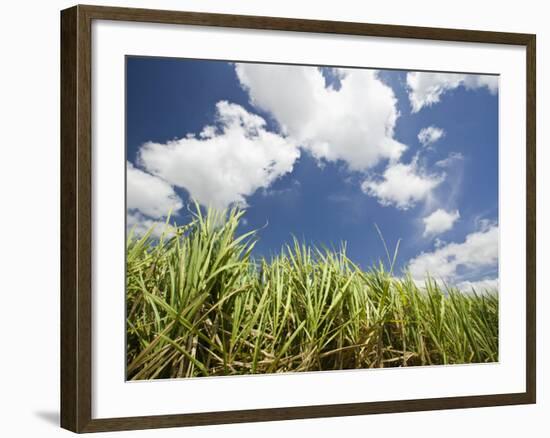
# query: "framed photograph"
{"type": "Point", "coordinates": [269, 218]}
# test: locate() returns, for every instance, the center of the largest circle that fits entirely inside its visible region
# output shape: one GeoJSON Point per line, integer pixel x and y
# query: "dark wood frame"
{"type": "Point", "coordinates": [76, 226]}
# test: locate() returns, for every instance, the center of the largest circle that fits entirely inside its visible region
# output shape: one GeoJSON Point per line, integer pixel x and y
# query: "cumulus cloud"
{"type": "Point", "coordinates": [149, 194]}
{"type": "Point", "coordinates": [439, 221]}
{"type": "Point", "coordinates": [478, 253]}
{"type": "Point", "coordinates": [431, 134]}
{"type": "Point", "coordinates": [402, 185]}
{"type": "Point", "coordinates": [479, 286]}
{"type": "Point", "coordinates": [426, 89]}
{"type": "Point", "coordinates": [483, 224]}
{"type": "Point", "coordinates": [224, 163]}
{"type": "Point", "coordinates": [141, 224]}
{"type": "Point", "coordinates": [354, 123]}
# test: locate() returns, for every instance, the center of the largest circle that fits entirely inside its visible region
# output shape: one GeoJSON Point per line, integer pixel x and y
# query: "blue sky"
{"type": "Point", "coordinates": [323, 154]}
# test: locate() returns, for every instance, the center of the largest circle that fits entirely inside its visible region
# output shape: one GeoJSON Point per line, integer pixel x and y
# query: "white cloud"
{"type": "Point", "coordinates": [480, 286]}
{"type": "Point", "coordinates": [477, 253]}
{"type": "Point", "coordinates": [482, 223]}
{"type": "Point", "coordinates": [431, 134]}
{"type": "Point", "coordinates": [425, 88]}
{"type": "Point", "coordinates": [149, 194]}
{"type": "Point", "coordinates": [402, 185]}
{"type": "Point", "coordinates": [439, 221]}
{"type": "Point", "coordinates": [471, 82]}
{"type": "Point", "coordinates": [450, 160]}
{"type": "Point", "coordinates": [354, 123]}
{"type": "Point", "coordinates": [225, 163]}
{"type": "Point", "coordinates": [141, 224]}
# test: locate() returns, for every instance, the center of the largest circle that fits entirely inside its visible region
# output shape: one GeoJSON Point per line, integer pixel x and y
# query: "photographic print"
{"type": "Point", "coordinates": [297, 218]}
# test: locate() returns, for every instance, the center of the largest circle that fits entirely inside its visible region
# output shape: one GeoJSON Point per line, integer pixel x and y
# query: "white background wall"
{"type": "Point", "coordinates": [29, 218]}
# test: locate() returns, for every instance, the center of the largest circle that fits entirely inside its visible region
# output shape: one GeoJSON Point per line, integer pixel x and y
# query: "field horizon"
{"type": "Point", "coordinates": [199, 304]}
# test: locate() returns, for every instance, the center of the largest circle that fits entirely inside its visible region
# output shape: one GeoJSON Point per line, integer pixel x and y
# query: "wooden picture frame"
{"type": "Point", "coordinates": [76, 218]}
